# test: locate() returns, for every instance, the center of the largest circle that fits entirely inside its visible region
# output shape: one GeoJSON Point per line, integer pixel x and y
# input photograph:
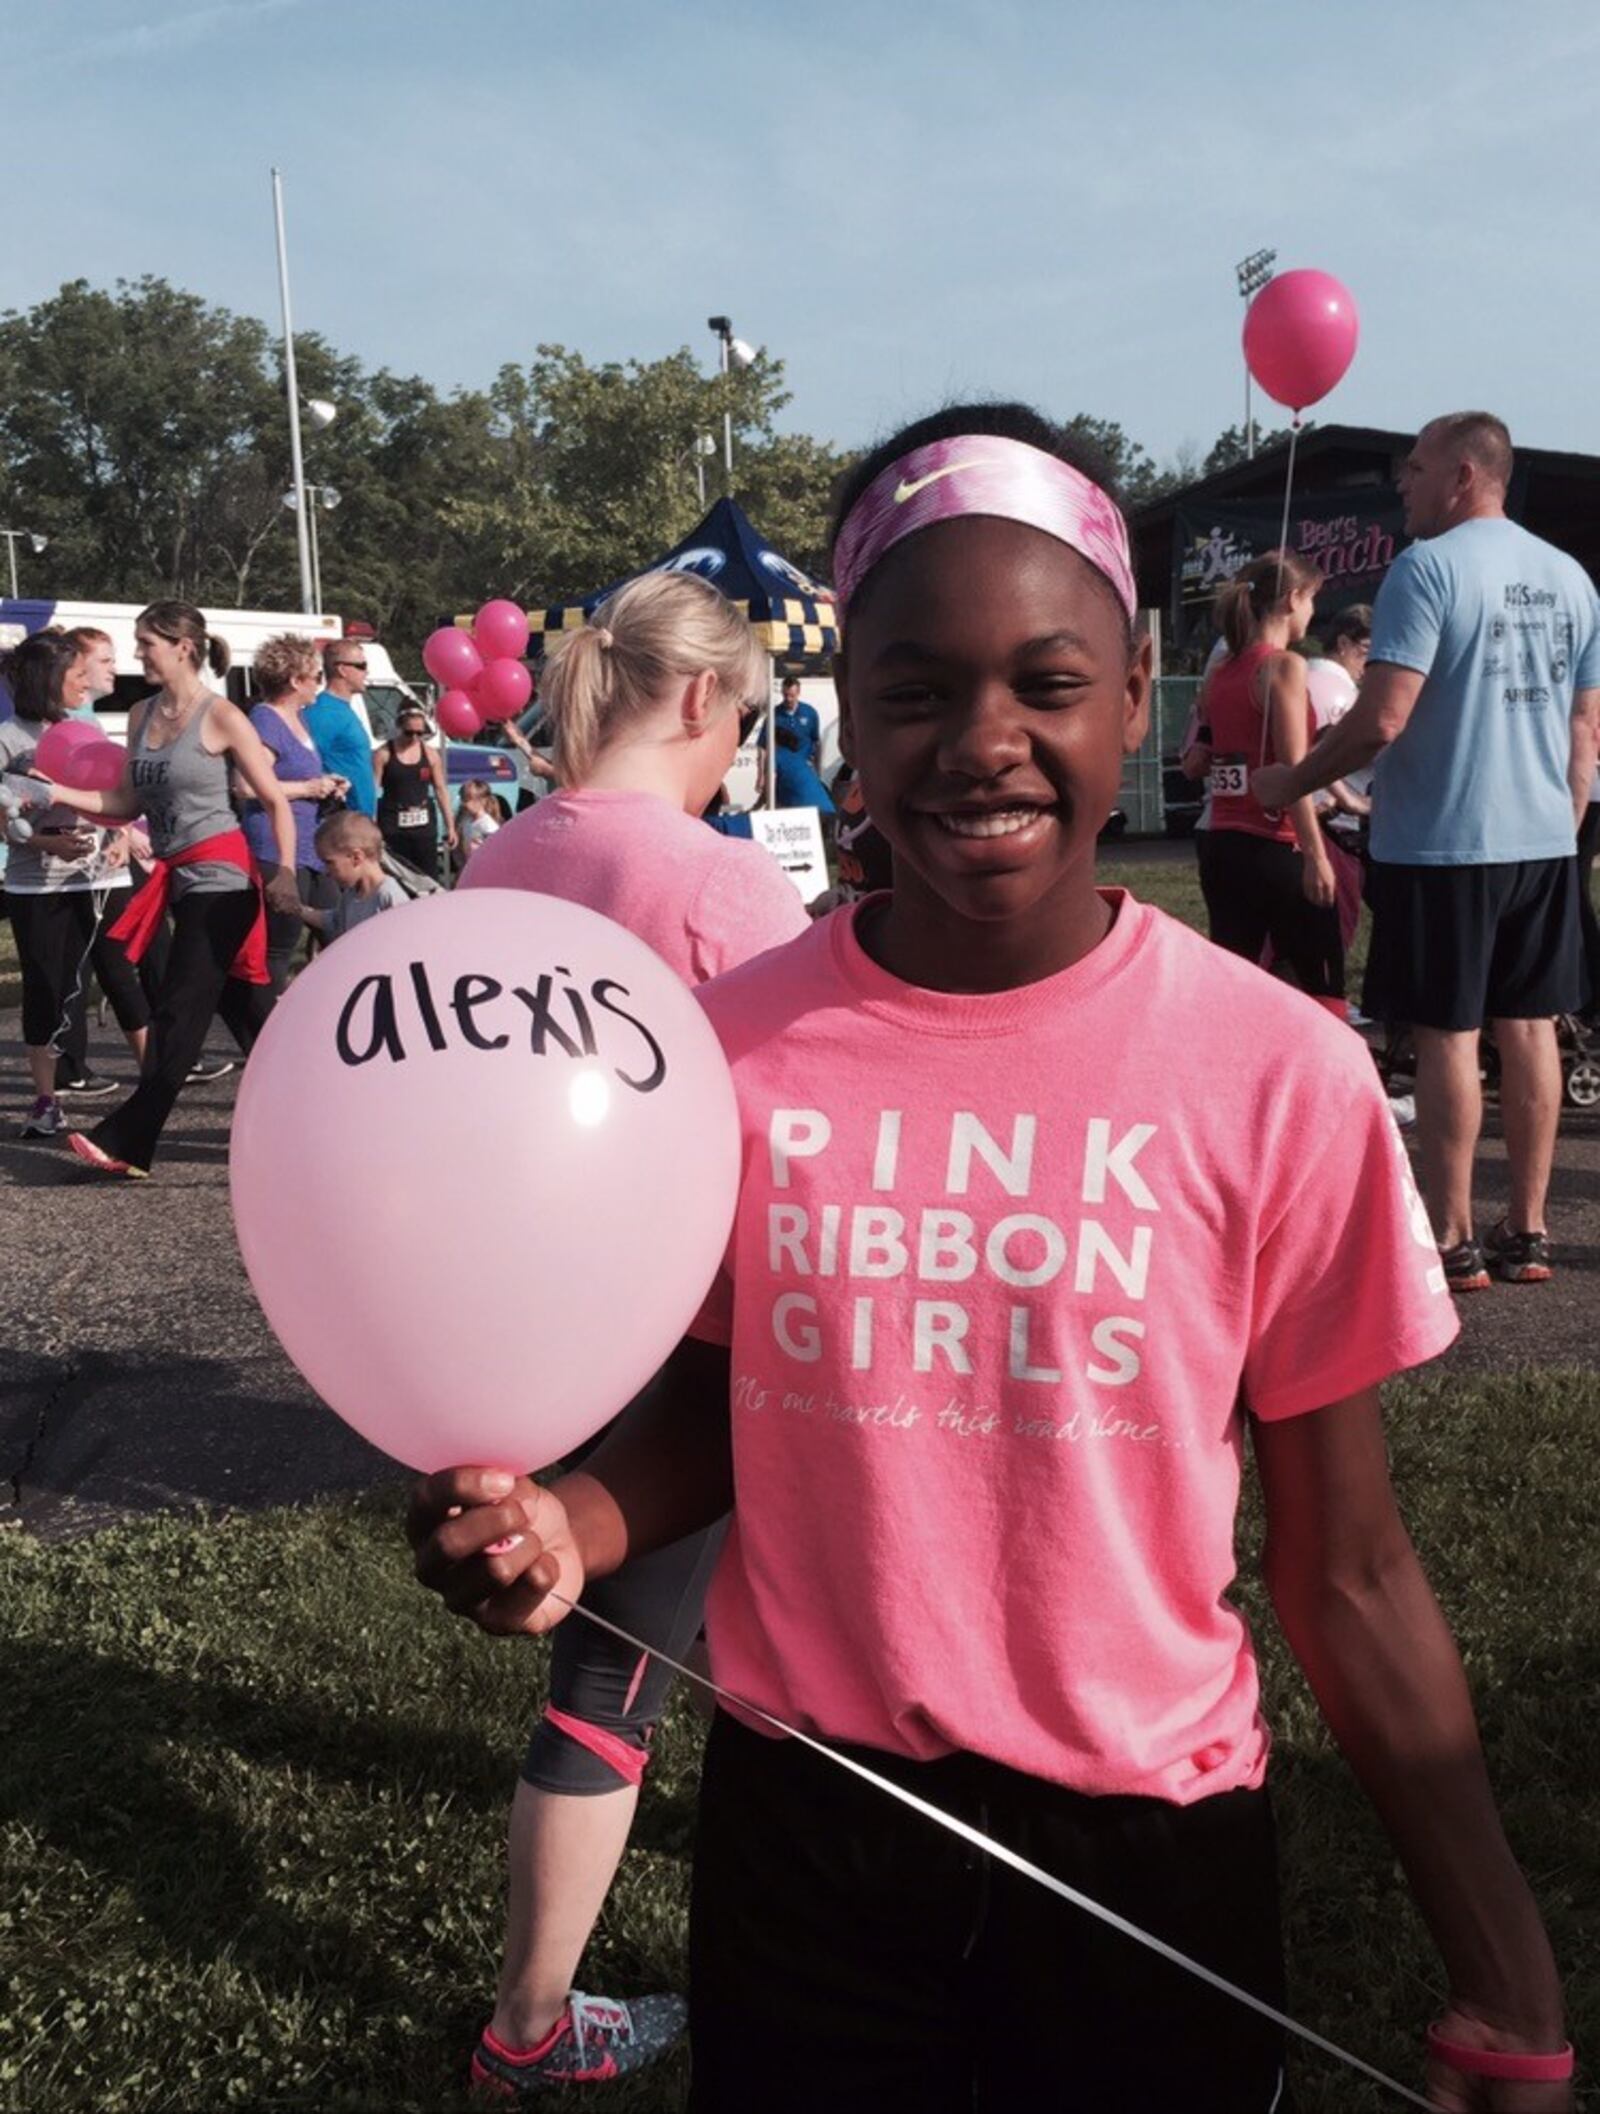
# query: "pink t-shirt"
{"type": "Point", "coordinates": [703, 901]}
{"type": "Point", "coordinates": [1004, 1270]}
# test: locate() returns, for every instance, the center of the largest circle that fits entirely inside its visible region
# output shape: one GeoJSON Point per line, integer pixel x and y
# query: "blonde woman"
{"type": "Point", "coordinates": [646, 705]}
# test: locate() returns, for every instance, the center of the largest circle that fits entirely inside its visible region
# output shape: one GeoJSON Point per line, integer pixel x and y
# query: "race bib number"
{"type": "Point", "coordinates": [412, 818]}
{"type": "Point", "coordinates": [1228, 778]}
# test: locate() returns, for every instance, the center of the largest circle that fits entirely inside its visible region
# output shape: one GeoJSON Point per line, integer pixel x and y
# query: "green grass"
{"type": "Point", "coordinates": [253, 1786]}
{"type": "Point", "coordinates": [1174, 885]}
{"type": "Point", "coordinates": [10, 973]}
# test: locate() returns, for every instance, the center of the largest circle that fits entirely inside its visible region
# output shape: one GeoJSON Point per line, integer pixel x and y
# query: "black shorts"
{"type": "Point", "coordinates": [1456, 946]}
{"type": "Point", "coordinates": [847, 1956]}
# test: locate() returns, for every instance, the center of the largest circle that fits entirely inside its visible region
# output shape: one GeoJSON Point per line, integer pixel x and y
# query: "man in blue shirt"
{"type": "Point", "coordinates": [799, 743]}
{"type": "Point", "coordinates": [335, 726]}
{"type": "Point", "coordinates": [1481, 706]}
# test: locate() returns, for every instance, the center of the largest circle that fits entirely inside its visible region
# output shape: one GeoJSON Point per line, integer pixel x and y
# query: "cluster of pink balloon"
{"type": "Point", "coordinates": [482, 672]}
{"type": "Point", "coordinates": [75, 753]}
{"type": "Point", "coordinates": [1300, 336]}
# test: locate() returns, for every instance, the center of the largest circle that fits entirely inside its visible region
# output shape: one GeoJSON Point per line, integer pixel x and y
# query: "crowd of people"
{"type": "Point", "coordinates": [950, 1461]}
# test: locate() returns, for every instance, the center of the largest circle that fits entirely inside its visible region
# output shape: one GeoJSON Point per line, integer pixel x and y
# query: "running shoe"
{"type": "Point", "coordinates": [92, 1085]}
{"type": "Point", "coordinates": [1518, 1258]}
{"type": "Point", "coordinates": [205, 1069]}
{"type": "Point", "coordinates": [1464, 1267]}
{"type": "Point", "coordinates": [103, 1162]}
{"type": "Point", "coordinates": [595, 2038]}
{"type": "Point", "coordinates": [1403, 1107]}
{"type": "Point", "coordinates": [43, 1120]}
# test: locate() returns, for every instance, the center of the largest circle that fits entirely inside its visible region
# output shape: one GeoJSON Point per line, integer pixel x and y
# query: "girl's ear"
{"type": "Point", "coordinates": [697, 707]}
{"type": "Point", "coordinates": [1136, 701]}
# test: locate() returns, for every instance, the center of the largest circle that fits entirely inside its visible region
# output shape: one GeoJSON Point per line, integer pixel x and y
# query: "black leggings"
{"type": "Point", "coordinates": [853, 1957]}
{"type": "Point", "coordinates": [284, 929]}
{"type": "Point", "coordinates": [608, 1689]}
{"type": "Point", "coordinates": [418, 847]}
{"type": "Point", "coordinates": [1252, 887]}
{"type": "Point", "coordinates": [55, 950]}
{"type": "Point", "coordinates": [1588, 845]}
{"type": "Point", "coordinates": [207, 932]}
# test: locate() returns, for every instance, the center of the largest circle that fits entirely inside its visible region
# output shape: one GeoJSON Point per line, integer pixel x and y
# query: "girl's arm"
{"type": "Point", "coordinates": [380, 759]}
{"type": "Point", "coordinates": [1287, 704]}
{"type": "Point", "coordinates": [436, 766]}
{"type": "Point", "coordinates": [664, 1472]}
{"type": "Point", "coordinates": [255, 764]}
{"type": "Point", "coordinates": [1365, 1627]}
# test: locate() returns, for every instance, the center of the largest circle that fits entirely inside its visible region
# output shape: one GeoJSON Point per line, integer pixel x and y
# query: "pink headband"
{"type": "Point", "coordinates": [981, 473]}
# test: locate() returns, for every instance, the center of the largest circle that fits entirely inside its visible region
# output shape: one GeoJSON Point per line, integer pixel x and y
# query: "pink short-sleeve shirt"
{"type": "Point", "coordinates": [1005, 1271]}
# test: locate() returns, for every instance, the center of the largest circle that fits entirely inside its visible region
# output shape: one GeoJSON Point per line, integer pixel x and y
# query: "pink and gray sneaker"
{"type": "Point", "coordinates": [594, 2039]}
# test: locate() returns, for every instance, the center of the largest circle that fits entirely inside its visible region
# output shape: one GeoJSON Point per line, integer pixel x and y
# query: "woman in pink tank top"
{"type": "Point", "coordinates": [646, 704]}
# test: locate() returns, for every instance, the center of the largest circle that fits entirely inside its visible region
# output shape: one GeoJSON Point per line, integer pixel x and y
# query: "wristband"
{"type": "Point", "coordinates": [1514, 2066]}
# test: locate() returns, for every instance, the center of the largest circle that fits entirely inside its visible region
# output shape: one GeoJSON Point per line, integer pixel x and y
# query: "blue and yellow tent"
{"type": "Point", "coordinates": [792, 617]}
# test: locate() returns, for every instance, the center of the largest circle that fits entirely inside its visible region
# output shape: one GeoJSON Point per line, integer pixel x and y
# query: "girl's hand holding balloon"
{"type": "Point", "coordinates": [493, 1547]}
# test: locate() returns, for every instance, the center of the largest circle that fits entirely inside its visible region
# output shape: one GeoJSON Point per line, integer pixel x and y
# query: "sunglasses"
{"type": "Point", "coordinates": [350, 664]}
{"type": "Point", "coordinates": [751, 716]}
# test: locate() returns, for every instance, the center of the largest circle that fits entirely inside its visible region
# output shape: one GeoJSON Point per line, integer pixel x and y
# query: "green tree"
{"type": "Point", "coordinates": [1229, 446]}
{"type": "Point", "coordinates": [133, 425]}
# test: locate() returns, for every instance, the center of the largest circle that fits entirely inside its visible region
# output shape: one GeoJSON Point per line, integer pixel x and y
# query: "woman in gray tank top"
{"type": "Point", "coordinates": [184, 745]}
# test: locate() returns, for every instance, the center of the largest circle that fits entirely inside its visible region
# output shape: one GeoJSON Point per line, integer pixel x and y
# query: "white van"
{"type": "Point", "coordinates": [244, 629]}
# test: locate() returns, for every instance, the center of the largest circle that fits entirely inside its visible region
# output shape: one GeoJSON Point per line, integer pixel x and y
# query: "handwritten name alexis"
{"type": "Point", "coordinates": [558, 1018]}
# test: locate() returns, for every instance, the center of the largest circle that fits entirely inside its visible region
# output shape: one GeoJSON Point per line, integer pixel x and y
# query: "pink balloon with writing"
{"type": "Point", "coordinates": [458, 716]}
{"type": "Point", "coordinates": [484, 1166]}
{"type": "Point", "coordinates": [502, 690]}
{"type": "Point", "coordinates": [1300, 335]}
{"type": "Point", "coordinates": [501, 630]}
{"type": "Point", "coordinates": [451, 658]}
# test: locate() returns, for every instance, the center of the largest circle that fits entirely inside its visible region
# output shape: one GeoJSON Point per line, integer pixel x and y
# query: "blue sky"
{"type": "Point", "coordinates": [904, 201]}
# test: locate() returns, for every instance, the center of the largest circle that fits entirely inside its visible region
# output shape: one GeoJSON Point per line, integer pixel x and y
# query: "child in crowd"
{"type": "Point", "coordinates": [479, 816]}
{"type": "Point", "coordinates": [350, 846]}
{"type": "Point", "coordinates": [1035, 1228]}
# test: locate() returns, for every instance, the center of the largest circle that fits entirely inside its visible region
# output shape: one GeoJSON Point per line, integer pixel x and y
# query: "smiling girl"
{"type": "Point", "coordinates": [1023, 1252]}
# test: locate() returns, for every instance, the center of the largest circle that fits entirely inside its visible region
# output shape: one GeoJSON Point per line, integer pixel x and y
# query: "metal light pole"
{"type": "Point", "coordinates": [315, 495]}
{"type": "Point", "coordinates": [296, 462]}
{"type": "Point", "coordinates": [731, 352]}
{"type": "Point", "coordinates": [1253, 273]}
{"type": "Point", "coordinates": [13, 538]}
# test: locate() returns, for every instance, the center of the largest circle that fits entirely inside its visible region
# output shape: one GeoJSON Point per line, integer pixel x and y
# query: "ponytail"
{"type": "Point", "coordinates": [181, 624]}
{"type": "Point", "coordinates": [1244, 603]}
{"type": "Point", "coordinates": [603, 681]}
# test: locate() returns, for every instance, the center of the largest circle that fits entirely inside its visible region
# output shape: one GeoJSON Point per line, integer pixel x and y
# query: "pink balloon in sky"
{"type": "Point", "coordinates": [501, 630]}
{"type": "Point", "coordinates": [1300, 336]}
{"type": "Point", "coordinates": [497, 1291]}
{"type": "Point", "coordinates": [502, 690]}
{"type": "Point", "coordinates": [458, 717]}
{"type": "Point", "coordinates": [451, 658]}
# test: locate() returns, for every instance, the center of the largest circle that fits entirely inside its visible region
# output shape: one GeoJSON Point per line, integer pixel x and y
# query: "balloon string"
{"type": "Point", "coordinates": [1288, 489]}
{"type": "Point", "coordinates": [1003, 1855]}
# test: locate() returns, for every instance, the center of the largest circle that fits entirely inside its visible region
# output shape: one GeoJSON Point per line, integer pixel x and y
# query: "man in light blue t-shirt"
{"type": "Point", "coordinates": [1480, 710]}
{"type": "Point", "coordinates": [335, 726]}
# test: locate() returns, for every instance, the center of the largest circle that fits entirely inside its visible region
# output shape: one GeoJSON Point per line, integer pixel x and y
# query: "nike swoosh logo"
{"type": "Point", "coordinates": [904, 491]}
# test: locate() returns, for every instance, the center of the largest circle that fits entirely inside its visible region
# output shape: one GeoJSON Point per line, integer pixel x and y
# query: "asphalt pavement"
{"type": "Point", "coordinates": [137, 1373]}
